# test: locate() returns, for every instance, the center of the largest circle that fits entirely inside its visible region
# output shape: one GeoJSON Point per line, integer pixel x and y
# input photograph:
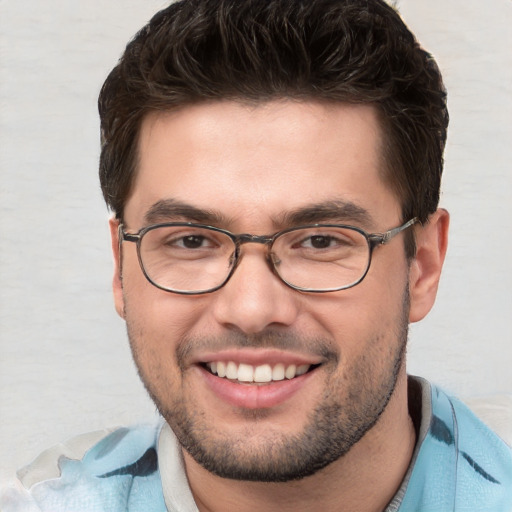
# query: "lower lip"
{"type": "Point", "coordinates": [254, 396]}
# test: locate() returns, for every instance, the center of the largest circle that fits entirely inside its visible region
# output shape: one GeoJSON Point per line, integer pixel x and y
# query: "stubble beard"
{"type": "Point", "coordinates": [350, 406]}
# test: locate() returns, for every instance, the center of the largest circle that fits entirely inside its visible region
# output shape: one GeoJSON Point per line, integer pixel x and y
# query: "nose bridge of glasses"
{"type": "Point", "coordinates": [254, 239]}
{"type": "Point", "coordinates": [246, 238]}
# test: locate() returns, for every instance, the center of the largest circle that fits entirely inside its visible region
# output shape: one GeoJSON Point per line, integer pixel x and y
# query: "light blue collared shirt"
{"type": "Point", "coordinates": [459, 465]}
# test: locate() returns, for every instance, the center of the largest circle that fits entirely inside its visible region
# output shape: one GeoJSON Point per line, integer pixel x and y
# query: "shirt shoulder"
{"type": "Point", "coordinates": [484, 463]}
{"type": "Point", "coordinates": [112, 470]}
{"type": "Point", "coordinates": [461, 465]}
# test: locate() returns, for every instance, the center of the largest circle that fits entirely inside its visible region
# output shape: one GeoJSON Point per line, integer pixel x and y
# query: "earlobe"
{"type": "Point", "coordinates": [425, 271]}
{"type": "Point", "coordinates": [117, 285]}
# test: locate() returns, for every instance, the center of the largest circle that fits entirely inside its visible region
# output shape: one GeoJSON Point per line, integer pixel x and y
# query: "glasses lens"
{"type": "Point", "coordinates": [186, 258]}
{"type": "Point", "coordinates": [321, 258]}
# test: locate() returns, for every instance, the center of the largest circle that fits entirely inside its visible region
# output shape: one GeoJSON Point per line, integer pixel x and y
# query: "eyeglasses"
{"type": "Point", "coordinates": [191, 259]}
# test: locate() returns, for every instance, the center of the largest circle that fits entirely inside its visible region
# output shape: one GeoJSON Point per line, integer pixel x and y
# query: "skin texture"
{"type": "Point", "coordinates": [343, 429]}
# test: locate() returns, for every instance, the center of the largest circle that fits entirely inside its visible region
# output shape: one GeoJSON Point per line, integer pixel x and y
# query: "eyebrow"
{"type": "Point", "coordinates": [338, 211]}
{"type": "Point", "coordinates": [171, 210]}
{"type": "Point", "coordinates": [327, 211]}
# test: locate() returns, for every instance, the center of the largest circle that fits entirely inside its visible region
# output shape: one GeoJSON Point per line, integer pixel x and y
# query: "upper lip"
{"type": "Point", "coordinates": [256, 357]}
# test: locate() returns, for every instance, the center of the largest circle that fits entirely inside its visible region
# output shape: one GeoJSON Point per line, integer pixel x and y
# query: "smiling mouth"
{"type": "Point", "coordinates": [261, 374]}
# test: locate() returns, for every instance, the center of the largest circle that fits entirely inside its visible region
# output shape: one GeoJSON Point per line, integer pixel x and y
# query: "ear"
{"type": "Point", "coordinates": [425, 271]}
{"type": "Point", "coordinates": [117, 285]}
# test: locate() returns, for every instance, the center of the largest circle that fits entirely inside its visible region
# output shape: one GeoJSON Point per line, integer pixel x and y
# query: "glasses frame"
{"type": "Point", "coordinates": [372, 239]}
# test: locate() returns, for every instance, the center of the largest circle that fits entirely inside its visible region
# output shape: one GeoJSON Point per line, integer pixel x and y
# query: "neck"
{"type": "Point", "coordinates": [364, 480]}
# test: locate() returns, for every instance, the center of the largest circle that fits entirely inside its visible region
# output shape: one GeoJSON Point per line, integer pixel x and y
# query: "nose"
{"type": "Point", "coordinates": [255, 298]}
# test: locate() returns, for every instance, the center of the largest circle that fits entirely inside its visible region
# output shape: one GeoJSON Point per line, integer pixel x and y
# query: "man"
{"type": "Point", "coordinates": [274, 171]}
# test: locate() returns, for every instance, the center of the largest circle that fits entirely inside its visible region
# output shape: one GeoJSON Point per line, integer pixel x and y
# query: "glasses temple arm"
{"type": "Point", "coordinates": [384, 238]}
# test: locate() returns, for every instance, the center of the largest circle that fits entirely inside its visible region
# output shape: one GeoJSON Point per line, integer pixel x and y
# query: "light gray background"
{"type": "Point", "coordinates": [65, 366]}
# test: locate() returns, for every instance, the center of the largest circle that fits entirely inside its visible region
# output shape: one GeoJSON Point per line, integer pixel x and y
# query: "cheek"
{"type": "Point", "coordinates": [370, 313]}
{"type": "Point", "coordinates": [157, 319]}
{"type": "Point", "coordinates": [159, 316]}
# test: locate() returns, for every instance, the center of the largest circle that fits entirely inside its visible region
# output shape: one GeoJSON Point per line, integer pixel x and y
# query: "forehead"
{"type": "Point", "coordinates": [265, 159]}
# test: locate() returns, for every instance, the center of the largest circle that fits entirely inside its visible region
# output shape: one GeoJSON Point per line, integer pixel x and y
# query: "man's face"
{"type": "Point", "coordinates": [250, 169]}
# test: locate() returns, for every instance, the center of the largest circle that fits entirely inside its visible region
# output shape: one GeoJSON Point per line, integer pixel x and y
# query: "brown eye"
{"type": "Point", "coordinates": [320, 242]}
{"type": "Point", "coordinates": [192, 241]}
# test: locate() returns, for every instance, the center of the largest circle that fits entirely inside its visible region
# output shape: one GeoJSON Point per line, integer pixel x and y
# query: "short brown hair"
{"type": "Point", "coordinates": [357, 51]}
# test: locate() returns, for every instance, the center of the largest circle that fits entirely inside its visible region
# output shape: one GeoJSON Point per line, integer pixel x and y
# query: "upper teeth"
{"type": "Point", "coordinates": [262, 373]}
